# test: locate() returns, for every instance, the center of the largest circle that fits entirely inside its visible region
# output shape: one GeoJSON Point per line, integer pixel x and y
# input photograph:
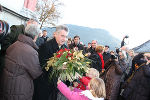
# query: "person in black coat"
{"type": "Point", "coordinates": [91, 50]}
{"type": "Point", "coordinates": [46, 89]}
{"type": "Point", "coordinates": [76, 45]}
{"type": "Point", "coordinates": [97, 59]}
{"type": "Point", "coordinates": [138, 85]}
{"type": "Point", "coordinates": [106, 54]}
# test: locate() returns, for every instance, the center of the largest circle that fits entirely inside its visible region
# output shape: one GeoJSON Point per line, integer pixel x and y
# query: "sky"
{"type": "Point", "coordinates": [119, 17]}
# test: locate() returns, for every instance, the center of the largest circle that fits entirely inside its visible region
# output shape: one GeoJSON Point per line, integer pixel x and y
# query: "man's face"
{"type": "Point", "coordinates": [44, 33]}
{"type": "Point", "coordinates": [76, 40]}
{"type": "Point", "coordinates": [106, 49]}
{"type": "Point", "coordinates": [61, 37]}
{"type": "Point", "coordinates": [94, 44]}
{"type": "Point", "coordinates": [89, 45]}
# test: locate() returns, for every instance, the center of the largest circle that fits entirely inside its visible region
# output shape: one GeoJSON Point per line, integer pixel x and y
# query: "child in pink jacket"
{"type": "Point", "coordinates": [96, 91]}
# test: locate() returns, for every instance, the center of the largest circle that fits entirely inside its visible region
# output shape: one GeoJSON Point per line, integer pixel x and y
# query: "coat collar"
{"type": "Point", "coordinates": [89, 95]}
{"type": "Point", "coordinates": [27, 40]}
{"type": "Point", "coordinates": [55, 45]}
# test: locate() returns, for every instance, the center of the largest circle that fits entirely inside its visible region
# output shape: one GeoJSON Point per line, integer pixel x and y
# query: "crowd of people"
{"type": "Point", "coordinates": [25, 50]}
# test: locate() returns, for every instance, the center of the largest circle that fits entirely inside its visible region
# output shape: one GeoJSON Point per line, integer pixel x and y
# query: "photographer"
{"type": "Point", "coordinates": [113, 56]}
{"type": "Point", "coordinates": [113, 75]}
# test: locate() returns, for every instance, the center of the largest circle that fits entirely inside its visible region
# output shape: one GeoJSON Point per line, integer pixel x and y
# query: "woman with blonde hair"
{"type": "Point", "coordinates": [96, 91]}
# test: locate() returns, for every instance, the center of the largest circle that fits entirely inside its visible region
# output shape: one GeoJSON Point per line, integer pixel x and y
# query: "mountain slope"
{"type": "Point", "coordinates": [88, 34]}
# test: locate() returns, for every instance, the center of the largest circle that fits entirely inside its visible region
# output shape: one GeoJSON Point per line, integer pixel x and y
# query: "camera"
{"type": "Point", "coordinates": [113, 57]}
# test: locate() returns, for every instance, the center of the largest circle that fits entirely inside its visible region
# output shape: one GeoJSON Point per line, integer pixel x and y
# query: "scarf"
{"type": "Point", "coordinates": [102, 60]}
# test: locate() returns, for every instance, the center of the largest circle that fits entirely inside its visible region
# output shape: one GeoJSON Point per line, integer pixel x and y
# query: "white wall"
{"type": "Point", "coordinates": [11, 19]}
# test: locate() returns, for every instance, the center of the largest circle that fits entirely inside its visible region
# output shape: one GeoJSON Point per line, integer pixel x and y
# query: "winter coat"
{"type": "Point", "coordinates": [112, 79]}
{"type": "Point", "coordinates": [45, 89]}
{"type": "Point", "coordinates": [96, 61]}
{"type": "Point", "coordinates": [45, 38]}
{"type": "Point", "coordinates": [139, 86]}
{"type": "Point", "coordinates": [71, 95]}
{"type": "Point", "coordinates": [39, 41]}
{"type": "Point", "coordinates": [80, 46]}
{"type": "Point", "coordinates": [21, 67]}
{"type": "Point", "coordinates": [91, 50]}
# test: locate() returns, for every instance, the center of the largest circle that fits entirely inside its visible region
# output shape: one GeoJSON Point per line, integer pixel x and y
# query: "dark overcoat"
{"type": "Point", "coordinates": [45, 89]}
{"type": "Point", "coordinates": [96, 61]}
{"type": "Point", "coordinates": [139, 86]}
{"type": "Point", "coordinates": [112, 79]}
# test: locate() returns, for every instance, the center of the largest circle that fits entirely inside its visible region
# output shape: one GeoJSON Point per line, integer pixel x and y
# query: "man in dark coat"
{"type": "Point", "coordinates": [106, 54]}
{"type": "Point", "coordinates": [91, 50]}
{"type": "Point", "coordinates": [76, 44]}
{"type": "Point", "coordinates": [45, 89]}
{"type": "Point", "coordinates": [138, 85]}
{"type": "Point", "coordinates": [41, 40]}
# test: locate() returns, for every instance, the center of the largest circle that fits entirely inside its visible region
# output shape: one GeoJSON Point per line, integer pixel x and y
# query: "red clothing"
{"type": "Point", "coordinates": [83, 82]}
{"type": "Point", "coordinates": [101, 57]}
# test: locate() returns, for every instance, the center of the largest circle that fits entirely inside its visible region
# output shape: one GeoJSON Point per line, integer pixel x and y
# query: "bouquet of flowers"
{"type": "Point", "coordinates": [66, 63]}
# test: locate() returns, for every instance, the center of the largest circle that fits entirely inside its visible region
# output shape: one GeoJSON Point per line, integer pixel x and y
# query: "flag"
{"type": "Point", "coordinates": [30, 4]}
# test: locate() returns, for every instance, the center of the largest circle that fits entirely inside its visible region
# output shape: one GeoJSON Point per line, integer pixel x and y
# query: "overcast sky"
{"type": "Point", "coordinates": [119, 17]}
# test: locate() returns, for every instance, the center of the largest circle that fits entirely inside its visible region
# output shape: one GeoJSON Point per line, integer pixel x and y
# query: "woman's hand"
{"type": "Point", "coordinates": [58, 81]}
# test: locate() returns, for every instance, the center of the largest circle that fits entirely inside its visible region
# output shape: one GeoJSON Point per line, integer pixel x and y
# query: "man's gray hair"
{"type": "Point", "coordinates": [62, 27]}
{"type": "Point", "coordinates": [32, 30]}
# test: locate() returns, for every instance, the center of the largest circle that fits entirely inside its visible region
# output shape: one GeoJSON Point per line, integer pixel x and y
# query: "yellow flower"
{"type": "Point", "coordinates": [79, 63]}
{"type": "Point", "coordinates": [46, 68]}
{"type": "Point", "coordinates": [87, 62]}
{"type": "Point", "coordinates": [80, 54]}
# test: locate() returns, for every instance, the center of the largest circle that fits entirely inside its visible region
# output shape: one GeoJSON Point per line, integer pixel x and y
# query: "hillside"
{"type": "Point", "coordinates": [88, 34]}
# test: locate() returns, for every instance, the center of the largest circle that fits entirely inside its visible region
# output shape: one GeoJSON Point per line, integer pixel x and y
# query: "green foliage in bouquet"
{"type": "Point", "coordinates": [66, 63]}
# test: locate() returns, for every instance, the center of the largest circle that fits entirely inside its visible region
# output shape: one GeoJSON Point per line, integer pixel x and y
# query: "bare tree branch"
{"type": "Point", "coordinates": [47, 11]}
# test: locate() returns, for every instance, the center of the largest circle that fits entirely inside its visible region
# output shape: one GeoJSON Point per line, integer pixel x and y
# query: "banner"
{"type": "Point", "coordinates": [30, 4]}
